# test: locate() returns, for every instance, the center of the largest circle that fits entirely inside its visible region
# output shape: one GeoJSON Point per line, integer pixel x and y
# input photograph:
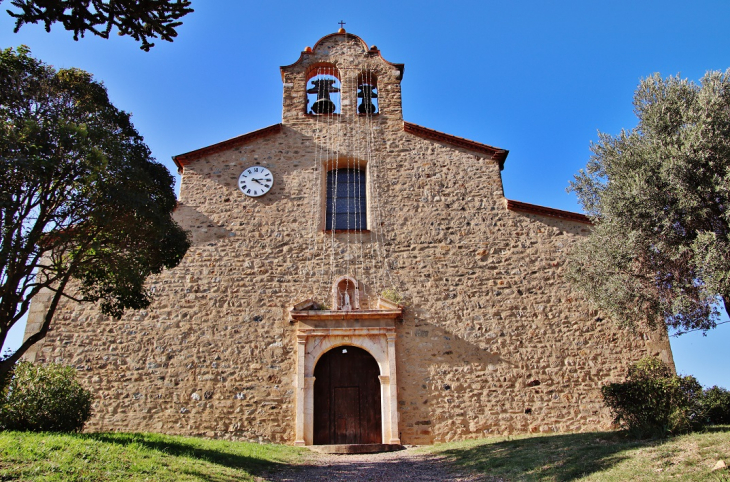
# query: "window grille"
{"type": "Point", "coordinates": [346, 200]}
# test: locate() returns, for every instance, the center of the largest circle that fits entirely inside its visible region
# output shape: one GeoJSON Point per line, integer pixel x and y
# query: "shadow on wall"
{"type": "Point", "coordinates": [290, 155]}
{"type": "Point", "coordinates": [202, 229]}
{"type": "Point", "coordinates": [447, 347]}
{"type": "Point", "coordinates": [443, 356]}
{"type": "Point", "coordinates": [560, 226]}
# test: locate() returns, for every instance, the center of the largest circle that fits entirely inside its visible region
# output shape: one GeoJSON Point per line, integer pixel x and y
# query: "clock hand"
{"type": "Point", "coordinates": [256, 180]}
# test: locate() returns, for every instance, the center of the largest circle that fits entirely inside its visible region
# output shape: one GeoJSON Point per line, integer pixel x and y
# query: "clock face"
{"type": "Point", "coordinates": [255, 181]}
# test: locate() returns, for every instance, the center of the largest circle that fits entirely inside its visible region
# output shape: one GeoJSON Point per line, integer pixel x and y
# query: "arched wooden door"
{"type": "Point", "coordinates": [347, 398]}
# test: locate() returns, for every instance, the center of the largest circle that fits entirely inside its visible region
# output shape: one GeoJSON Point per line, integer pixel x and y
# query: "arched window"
{"type": "Point", "coordinates": [346, 200]}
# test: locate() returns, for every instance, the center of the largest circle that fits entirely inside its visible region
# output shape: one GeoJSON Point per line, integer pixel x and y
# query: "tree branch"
{"type": "Point", "coordinates": [680, 333]}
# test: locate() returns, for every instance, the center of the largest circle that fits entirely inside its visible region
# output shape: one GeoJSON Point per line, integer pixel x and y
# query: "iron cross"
{"type": "Point", "coordinates": [342, 24]}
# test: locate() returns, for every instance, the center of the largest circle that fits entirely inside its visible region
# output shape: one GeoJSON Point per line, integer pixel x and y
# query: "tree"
{"type": "Point", "coordinates": [659, 196]}
{"type": "Point", "coordinates": [86, 211]}
{"type": "Point", "coordinates": [140, 19]}
{"type": "Point", "coordinates": [654, 401]}
{"type": "Point", "coordinates": [44, 398]}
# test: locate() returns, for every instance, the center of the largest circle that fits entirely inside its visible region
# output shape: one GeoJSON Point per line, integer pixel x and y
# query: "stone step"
{"type": "Point", "coordinates": [355, 448]}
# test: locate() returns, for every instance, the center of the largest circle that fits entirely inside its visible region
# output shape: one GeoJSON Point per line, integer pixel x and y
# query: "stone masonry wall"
{"type": "Point", "coordinates": [493, 340]}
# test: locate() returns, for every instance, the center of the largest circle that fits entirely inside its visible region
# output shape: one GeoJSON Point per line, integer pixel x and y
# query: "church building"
{"type": "Point", "coordinates": [353, 279]}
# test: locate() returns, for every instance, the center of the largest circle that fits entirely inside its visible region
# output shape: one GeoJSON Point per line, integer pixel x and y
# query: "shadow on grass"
{"type": "Point", "coordinates": [555, 457]}
{"type": "Point", "coordinates": [717, 429]}
{"type": "Point", "coordinates": [180, 448]}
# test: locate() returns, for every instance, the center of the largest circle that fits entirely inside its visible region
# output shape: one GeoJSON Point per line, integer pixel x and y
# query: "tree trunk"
{"type": "Point", "coordinates": [7, 364]}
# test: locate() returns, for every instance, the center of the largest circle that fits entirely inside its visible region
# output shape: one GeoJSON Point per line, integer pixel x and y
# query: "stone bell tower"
{"type": "Point", "coordinates": [343, 73]}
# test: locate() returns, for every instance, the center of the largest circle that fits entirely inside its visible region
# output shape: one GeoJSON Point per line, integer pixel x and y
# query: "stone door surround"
{"type": "Point", "coordinates": [321, 331]}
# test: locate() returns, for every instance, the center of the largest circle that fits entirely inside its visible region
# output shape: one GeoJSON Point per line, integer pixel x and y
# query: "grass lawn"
{"type": "Point", "coordinates": [135, 457]}
{"type": "Point", "coordinates": [605, 456]}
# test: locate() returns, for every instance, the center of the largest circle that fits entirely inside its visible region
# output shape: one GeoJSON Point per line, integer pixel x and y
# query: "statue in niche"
{"type": "Point", "coordinates": [346, 302]}
{"type": "Point", "coordinates": [346, 294]}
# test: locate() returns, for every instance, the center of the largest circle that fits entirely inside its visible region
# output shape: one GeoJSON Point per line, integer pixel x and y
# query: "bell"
{"type": "Point", "coordinates": [367, 95]}
{"type": "Point", "coordinates": [323, 106]}
{"type": "Point", "coordinates": [323, 88]}
{"type": "Point", "coordinates": [366, 108]}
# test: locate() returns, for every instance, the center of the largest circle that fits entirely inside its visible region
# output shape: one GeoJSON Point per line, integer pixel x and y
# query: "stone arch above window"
{"type": "Point", "coordinates": [323, 90]}
{"type": "Point", "coordinates": [367, 93]}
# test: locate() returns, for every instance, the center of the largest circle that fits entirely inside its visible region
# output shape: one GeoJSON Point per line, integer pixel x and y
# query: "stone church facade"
{"type": "Point", "coordinates": [353, 278]}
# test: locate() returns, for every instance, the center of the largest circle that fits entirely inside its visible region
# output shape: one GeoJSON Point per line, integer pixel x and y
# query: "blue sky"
{"type": "Point", "coordinates": [538, 78]}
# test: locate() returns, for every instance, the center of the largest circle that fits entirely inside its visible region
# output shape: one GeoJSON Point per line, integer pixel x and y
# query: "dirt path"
{"type": "Point", "coordinates": [385, 467]}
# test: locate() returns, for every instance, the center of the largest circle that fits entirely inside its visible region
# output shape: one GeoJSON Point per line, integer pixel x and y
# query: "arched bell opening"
{"type": "Point", "coordinates": [323, 90]}
{"type": "Point", "coordinates": [347, 398]}
{"type": "Point", "coordinates": [367, 93]}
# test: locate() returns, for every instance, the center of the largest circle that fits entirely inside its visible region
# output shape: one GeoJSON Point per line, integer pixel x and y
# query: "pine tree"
{"type": "Point", "coordinates": [140, 19]}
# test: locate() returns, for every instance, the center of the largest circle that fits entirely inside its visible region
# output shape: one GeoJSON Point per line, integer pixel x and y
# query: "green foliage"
{"type": "Point", "coordinates": [44, 398]}
{"type": "Point", "coordinates": [136, 457]}
{"type": "Point", "coordinates": [659, 196]}
{"type": "Point", "coordinates": [655, 402]}
{"type": "Point", "coordinates": [80, 195]}
{"type": "Point", "coordinates": [5, 378]}
{"type": "Point", "coordinates": [140, 19]}
{"type": "Point", "coordinates": [391, 294]}
{"type": "Point", "coordinates": [716, 405]}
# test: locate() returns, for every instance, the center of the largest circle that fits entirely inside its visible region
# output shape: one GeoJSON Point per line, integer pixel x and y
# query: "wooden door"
{"type": "Point", "coordinates": [347, 398]}
{"type": "Point", "coordinates": [347, 415]}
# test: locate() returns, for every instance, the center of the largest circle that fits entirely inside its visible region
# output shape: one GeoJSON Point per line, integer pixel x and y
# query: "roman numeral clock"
{"type": "Point", "coordinates": [255, 181]}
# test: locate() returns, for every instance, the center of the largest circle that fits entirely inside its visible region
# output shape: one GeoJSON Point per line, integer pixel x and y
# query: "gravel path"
{"type": "Point", "coordinates": [384, 467]}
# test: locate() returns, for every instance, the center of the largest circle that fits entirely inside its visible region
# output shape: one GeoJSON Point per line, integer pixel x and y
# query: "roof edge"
{"type": "Point", "coordinates": [400, 67]}
{"type": "Point", "coordinates": [181, 160]}
{"type": "Point", "coordinates": [546, 211]}
{"type": "Point", "coordinates": [346, 34]}
{"type": "Point", "coordinates": [495, 153]}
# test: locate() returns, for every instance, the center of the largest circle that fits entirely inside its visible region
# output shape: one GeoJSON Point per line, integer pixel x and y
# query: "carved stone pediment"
{"type": "Point", "coordinates": [314, 314]}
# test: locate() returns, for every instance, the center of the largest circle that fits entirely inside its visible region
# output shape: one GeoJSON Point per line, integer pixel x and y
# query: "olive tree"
{"type": "Point", "coordinates": [86, 211]}
{"type": "Point", "coordinates": [659, 196]}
